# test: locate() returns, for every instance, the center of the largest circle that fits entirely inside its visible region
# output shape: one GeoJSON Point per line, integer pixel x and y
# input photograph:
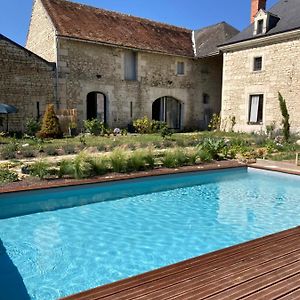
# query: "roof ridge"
{"type": "Point", "coordinates": [149, 21]}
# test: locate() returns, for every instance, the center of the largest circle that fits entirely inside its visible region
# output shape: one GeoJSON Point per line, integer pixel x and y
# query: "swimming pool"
{"type": "Point", "coordinates": [134, 226]}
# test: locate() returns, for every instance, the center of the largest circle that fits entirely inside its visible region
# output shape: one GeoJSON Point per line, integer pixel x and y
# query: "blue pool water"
{"type": "Point", "coordinates": [157, 222]}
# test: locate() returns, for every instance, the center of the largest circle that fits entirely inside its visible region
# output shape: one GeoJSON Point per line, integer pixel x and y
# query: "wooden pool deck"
{"type": "Point", "coordinates": [265, 268]}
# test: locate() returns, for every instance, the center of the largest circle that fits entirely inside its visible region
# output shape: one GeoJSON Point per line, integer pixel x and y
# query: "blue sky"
{"type": "Point", "coordinates": [192, 14]}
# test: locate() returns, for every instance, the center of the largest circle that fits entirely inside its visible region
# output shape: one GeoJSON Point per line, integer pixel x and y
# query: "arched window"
{"type": "Point", "coordinates": [96, 106]}
{"type": "Point", "coordinates": [167, 109]}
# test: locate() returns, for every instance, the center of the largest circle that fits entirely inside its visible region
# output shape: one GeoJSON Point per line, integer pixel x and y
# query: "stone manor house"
{"type": "Point", "coordinates": [117, 68]}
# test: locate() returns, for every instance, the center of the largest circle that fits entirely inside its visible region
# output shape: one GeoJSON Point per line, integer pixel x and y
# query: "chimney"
{"type": "Point", "coordinates": [256, 5]}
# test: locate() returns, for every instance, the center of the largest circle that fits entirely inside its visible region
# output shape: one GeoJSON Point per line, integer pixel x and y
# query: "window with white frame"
{"type": "Point", "coordinates": [180, 68]}
{"type": "Point", "coordinates": [256, 109]}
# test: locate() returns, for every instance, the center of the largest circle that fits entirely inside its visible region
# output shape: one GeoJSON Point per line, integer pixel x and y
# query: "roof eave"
{"type": "Point", "coordinates": [123, 47]}
{"type": "Point", "coordinates": [262, 40]}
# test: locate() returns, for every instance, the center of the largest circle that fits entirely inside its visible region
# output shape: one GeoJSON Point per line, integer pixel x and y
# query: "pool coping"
{"type": "Point", "coordinates": [115, 177]}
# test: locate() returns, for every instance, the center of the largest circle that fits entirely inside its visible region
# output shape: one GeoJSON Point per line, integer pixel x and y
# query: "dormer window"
{"type": "Point", "coordinates": [264, 21]}
{"type": "Point", "coordinates": [260, 26]}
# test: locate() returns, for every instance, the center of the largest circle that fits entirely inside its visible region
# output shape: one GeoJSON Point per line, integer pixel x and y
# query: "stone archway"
{"type": "Point", "coordinates": [96, 106]}
{"type": "Point", "coordinates": [167, 109]}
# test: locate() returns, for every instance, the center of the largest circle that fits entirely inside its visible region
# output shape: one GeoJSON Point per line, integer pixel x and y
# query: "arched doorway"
{"type": "Point", "coordinates": [96, 106]}
{"type": "Point", "coordinates": [167, 109]}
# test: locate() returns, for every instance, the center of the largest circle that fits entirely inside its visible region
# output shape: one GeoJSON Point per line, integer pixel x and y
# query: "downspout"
{"type": "Point", "coordinates": [57, 75]}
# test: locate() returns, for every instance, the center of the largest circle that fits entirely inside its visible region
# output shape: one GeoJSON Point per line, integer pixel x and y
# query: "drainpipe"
{"type": "Point", "coordinates": [57, 76]}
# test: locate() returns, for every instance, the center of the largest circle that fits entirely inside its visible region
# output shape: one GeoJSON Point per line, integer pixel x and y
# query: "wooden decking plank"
{"type": "Point", "coordinates": [236, 290]}
{"type": "Point", "coordinates": [292, 295]}
{"type": "Point", "coordinates": [241, 252]}
{"type": "Point", "coordinates": [189, 285]}
{"type": "Point", "coordinates": [208, 270]}
{"type": "Point", "coordinates": [165, 288]}
{"type": "Point", "coordinates": [277, 289]}
{"type": "Point", "coordinates": [214, 288]}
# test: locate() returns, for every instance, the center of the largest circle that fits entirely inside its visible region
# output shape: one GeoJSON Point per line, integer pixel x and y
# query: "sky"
{"type": "Point", "coordinates": [192, 14]}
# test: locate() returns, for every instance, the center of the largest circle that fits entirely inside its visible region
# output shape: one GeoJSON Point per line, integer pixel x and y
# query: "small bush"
{"type": "Point", "coordinates": [50, 124]}
{"type": "Point", "coordinates": [102, 147]}
{"type": "Point", "coordinates": [205, 156]}
{"type": "Point", "coordinates": [95, 127]}
{"type": "Point", "coordinates": [143, 125]}
{"type": "Point", "coordinates": [212, 147]}
{"type": "Point", "coordinates": [7, 176]}
{"type": "Point", "coordinates": [82, 167]}
{"type": "Point", "coordinates": [99, 165]}
{"type": "Point", "coordinates": [149, 159]}
{"type": "Point", "coordinates": [69, 149]}
{"type": "Point", "coordinates": [174, 158]}
{"type": "Point", "coordinates": [51, 150]}
{"type": "Point", "coordinates": [215, 123]}
{"type": "Point", "coordinates": [65, 168]}
{"type": "Point", "coordinates": [8, 151]}
{"type": "Point", "coordinates": [32, 126]}
{"type": "Point", "coordinates": [118, 161]}
{"type": "Point", "coordinates": [135, 162]}
{"type": "Point", "coordinates": [40, 169]}
{"type": "Point", "coordinates": [27, 152]}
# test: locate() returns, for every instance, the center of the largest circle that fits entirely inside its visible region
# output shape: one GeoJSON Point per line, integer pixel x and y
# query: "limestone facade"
{"type": "Point", "coordinates": [280, 72]}
{"type": "Point", "coordinates": [86, 67]}
{"type": "Point", "coordinates": [26, 82]}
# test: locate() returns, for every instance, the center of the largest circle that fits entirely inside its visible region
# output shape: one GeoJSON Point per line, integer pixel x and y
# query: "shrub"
{"type": "Point", "coordinates": [69, 149]}
{"type": "Point", "coordinates": [102, 147]}
{"type": "Point", "coordinates": [285, 117]}
{"type": "Point", "coordinates": [95, 127]}
{"type": "Point", "coordinates": [40, 169]}
{"type": "Point", "coordinates": [213, 147]}
{"type": "Point", "coordinates": [136, 161]}
{"type": "Point", "coordinates": [32, 126]}
{"type": "Point", "coordinates": [7, 176]}
{"type": "Point", "coordinates": [65, 168]}
{"type": "Point", "coordinates": [143, 125]}
{"type": "Point", "coordinates": [27, 152]}
{"type": "Point", "coordinates": [8, 151]}
{"type": "Point", "coordinates": [174, 158]}
{"type": "Point", "coordinates": [118, 161]}
{"type": "Point", "coordinates": [50, 124]}
{"type": "Point", "coordinates": [81, 166]}
{"type": "Point", "coordinates": [192, 156]}
{"type": "Point", "coordinates": [99, 165]}
{"type": "Point", "coordinates": [215, 123]}
{"type": "Point", "coordinates": [149, 159]}
{"type": "Point", "coordinates": [205, 156]}
{"type": "Point", "coordinates": [50, 150]}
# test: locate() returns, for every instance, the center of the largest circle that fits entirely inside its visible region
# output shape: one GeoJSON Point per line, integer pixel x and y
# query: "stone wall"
{"type": "Point", "coordinates": [280, 73]}
{"type": "Point", "coordinates": [25, 79]}
{"type": "Point", "coordinates": [41, 37]}
{"type": "Point", "coordinates": [87, 67]}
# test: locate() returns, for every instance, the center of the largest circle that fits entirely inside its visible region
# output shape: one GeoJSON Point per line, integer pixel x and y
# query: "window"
{"type": "Point", "coordinates": [180, 68]}
{"type": "Point", "coordinates": [257, 64]}
{"type": "Point", "coordinates": [38, 112]}
{"type": "Point", "coordinates": [205, 98]}
{"type": "Point", "coordinates": [256, 109]}
{"type": "Point", "coordinates": [260, 26]}
{"type": "Point", "coordinates": [130, 64]}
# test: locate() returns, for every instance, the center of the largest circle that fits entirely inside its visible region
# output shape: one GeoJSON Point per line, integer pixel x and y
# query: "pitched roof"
{"type": "Point", "coordinates": [207, 39]}
{"type": "Point", "coordinates": [93, 24]}
{"type": "Point", "coordinates": [88, 23]}
{"type": "Point", "coordinates": [288, 12]}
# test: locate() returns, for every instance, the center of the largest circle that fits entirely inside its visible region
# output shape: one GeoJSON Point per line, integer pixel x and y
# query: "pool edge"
{"type": "Point", "coordinates": [221, 165]}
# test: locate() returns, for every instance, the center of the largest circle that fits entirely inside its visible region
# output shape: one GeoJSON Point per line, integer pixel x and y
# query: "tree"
{"type": "Point", "coordinates": [50, 124]}
{"type": "Point", "coordinates": [285, 117]}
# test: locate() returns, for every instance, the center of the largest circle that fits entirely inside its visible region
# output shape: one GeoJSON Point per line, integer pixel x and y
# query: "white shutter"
{"type": "Point", "coordinates": [254, 104]}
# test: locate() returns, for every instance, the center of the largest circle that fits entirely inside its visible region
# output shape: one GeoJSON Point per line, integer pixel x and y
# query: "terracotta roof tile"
{"type": "Point", "coordinates": [98, 25]}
